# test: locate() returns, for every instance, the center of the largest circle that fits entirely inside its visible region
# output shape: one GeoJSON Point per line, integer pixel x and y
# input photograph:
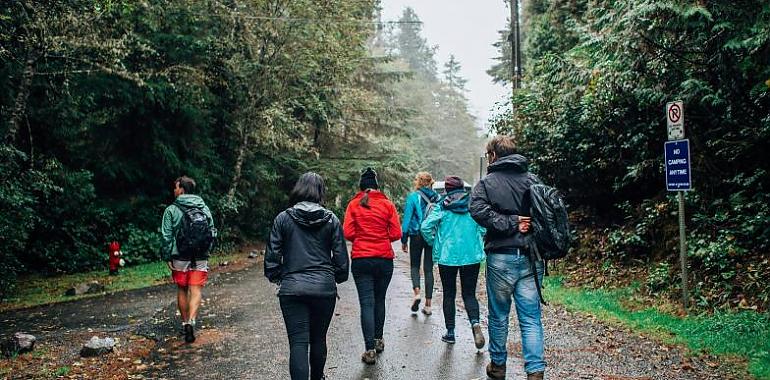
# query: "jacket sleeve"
{"type": "Point", "coordinates": [349, 226]}
{"type": "Point", "coordinates": [274, 254]}
{"type": "Point", "coordinates": [394, 225]}
{"type": "Point", "coordinates": [340, 258]}
{"type": "Point", "coordinates": [167, 234]}
{"type": "Point", "coordinates": [207, 211]}
{"type": "Point", "coordinates": [485, 215]}
{"type": "Point", "coordinates": [429, 227]}
{"type": "Point", "coordinates": [408, 215]}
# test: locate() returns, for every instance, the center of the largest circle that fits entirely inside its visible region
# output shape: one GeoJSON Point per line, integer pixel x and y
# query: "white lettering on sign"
{"type": "Point", "coordinates": [677, 172]}
{"type": "Point", "coordinates": [678, 161]}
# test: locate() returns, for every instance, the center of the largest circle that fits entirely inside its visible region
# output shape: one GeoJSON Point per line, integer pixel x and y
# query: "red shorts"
{"type": "Point", "coordinates": [190, 277]}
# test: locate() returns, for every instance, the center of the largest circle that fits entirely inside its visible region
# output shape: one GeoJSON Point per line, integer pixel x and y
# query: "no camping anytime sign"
{"type": "Point", "coordinates": [677, 158]}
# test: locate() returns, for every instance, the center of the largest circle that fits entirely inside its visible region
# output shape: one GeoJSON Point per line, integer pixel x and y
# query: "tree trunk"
{"type": "Point", "coordinates": [20, 103]}
{"type": "Point", "coordinates": [238, 168]}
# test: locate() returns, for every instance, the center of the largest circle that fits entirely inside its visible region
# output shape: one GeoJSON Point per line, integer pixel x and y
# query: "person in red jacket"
{"type": "Point", "coordinates": [372, 224]}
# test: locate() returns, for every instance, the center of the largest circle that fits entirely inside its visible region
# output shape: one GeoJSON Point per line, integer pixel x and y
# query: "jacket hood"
{"type": "Point", "coordinates": [514, 162]}
{"type": "Point", "coordinates": [190, 200]}
{"type": "Point", "coordinates": [456, 201]}
{"type": "Point", "coordinates": [309, 214]}
{"type": "Point", "coordinates": [430, 193]}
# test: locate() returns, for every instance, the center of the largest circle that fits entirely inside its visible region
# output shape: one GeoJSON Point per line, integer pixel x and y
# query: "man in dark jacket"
{"type": "Point", "coordinates": [500, 203]}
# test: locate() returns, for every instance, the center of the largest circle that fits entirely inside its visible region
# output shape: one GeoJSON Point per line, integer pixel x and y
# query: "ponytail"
{"type": "Point", "coordinates": [365, 199]}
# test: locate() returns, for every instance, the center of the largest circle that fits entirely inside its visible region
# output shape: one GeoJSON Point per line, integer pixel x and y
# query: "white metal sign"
{"type": "Point", "coordinates": [675, 120]}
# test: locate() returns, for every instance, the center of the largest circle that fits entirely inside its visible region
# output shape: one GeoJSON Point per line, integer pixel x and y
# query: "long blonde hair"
{"type": "Point", "coordinates": [422, 179]}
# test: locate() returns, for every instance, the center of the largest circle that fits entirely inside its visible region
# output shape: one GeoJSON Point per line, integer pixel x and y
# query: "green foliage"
{"type": "Point", "coordinates": [591, 116]}
{"type": "Point", "coordinates": [105, 103]}
{"type": "Point", "coordinates": [659, 278]}
{"type": "Point", "coordinates": [141, 246]}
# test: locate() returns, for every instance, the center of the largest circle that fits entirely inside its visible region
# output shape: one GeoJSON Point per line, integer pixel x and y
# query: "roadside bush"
{"type": "Point", "coordinates": [659, 279]}
{"type": "Point", "coordinates": [70, 223]}
{"type": "Point", "coordinates": [141, 246]}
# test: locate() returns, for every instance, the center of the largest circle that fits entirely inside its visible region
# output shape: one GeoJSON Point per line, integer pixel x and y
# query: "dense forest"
{"type": "Point", "coordinates": [597, 76]}
{"type": "Point", "coordinates": [105, 102]}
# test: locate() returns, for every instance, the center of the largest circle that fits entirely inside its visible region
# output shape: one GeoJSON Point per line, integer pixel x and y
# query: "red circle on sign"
{"type": "Point", "coordinates": [674, 113]}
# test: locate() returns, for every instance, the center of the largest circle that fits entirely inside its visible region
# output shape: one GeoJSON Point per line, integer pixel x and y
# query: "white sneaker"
{"type": "Point", "coordinates": [426, 310]}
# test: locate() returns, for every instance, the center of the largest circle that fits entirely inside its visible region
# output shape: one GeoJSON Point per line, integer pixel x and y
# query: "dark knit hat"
{"type": "Point", "coordinates": [368, 179]}
{"type": "Point", "coordinates": [453, 183]}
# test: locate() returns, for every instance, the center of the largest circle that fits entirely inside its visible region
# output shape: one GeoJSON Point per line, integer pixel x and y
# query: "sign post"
{"type": "Point", "coordinates": [678, 178]}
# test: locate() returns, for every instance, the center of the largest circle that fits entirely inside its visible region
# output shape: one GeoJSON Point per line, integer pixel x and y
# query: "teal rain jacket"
{"type": "Point", "coordinates": [456, 238]}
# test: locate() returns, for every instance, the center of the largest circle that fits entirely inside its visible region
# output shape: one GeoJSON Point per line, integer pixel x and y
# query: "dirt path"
{"type": "Point", "coordinates": [243, 337]}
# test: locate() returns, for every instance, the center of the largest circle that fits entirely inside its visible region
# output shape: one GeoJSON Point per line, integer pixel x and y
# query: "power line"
{"type": "Point", "coordinates": [302, 19]}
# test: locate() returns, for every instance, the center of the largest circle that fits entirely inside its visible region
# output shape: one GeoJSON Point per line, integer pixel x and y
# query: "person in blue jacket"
{"type": "Point", "coordinates": [458, 246]}
{"type": "Point", "coordinates": [417, 202]}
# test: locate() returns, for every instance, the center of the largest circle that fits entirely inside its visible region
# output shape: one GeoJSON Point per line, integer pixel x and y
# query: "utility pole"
{"type": "Point", "coordinates": [515, 39]}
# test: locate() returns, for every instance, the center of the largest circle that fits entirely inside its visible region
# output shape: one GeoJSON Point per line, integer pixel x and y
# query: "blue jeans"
{"type": "Point", "coordinates": [509, 276]}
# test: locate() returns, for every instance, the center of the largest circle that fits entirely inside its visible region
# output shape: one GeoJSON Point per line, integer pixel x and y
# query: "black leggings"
{"type": "Point", "coordinates": [372, 277]}
{"type": "Point", "coordinates": [307, 321]}
{"type": "Point", "coordinates": [469, 275]}
{"type": "Point", "coordinates": [418, 249]}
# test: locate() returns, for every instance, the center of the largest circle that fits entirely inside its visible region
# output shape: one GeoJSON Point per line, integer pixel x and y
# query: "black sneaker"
{"type": "Point", "coordinates": [449, 338]}
{"type": "Point", "coordinates": [416, 304]}
{"type": "Point", "coordinates": [189, 333]}
{"type": "Point", "coordinates": [379, 345]}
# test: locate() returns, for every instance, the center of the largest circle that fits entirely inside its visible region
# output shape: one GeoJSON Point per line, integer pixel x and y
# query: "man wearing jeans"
{"type": "Point", "coordinates": [500, 203]}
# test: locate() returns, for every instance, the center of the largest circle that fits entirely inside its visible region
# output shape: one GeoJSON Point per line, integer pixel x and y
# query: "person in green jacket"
{"type": "Point", "coordinates": [457, 242]}
{"type": "Point", "coordinates": [189, 273]}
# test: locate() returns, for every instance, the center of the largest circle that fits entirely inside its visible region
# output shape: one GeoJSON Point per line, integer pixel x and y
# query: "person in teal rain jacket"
{"type": "Point", "coordinates": [458, 246]}
{"type": "Point", "coordinates": [416, 205]}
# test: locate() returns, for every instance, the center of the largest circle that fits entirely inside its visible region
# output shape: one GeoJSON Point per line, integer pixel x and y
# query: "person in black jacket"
{"type": "Point", "coordinates": [307, 256]}
{"type": "Point", "coordinates": [500, 203]}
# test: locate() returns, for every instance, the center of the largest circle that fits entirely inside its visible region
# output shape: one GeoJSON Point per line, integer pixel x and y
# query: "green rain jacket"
{"type": "Point", "coordinates": [172, 223]}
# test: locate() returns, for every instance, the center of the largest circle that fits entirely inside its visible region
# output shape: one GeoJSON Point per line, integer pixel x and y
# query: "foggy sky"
{"type": "Point", "coordinates": [467, 29]}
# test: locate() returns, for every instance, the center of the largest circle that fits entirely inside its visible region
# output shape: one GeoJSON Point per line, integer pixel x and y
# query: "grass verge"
{"type": "Point", "coordinates": [40, 290]}
{"type": "Point", "coordinates": [744, 334]}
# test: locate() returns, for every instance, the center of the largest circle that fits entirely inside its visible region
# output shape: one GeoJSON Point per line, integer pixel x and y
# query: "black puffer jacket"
{"type": "Point", "coordinates": [498, 200]}
{"type": "Point", "coordinates": [306, 253]}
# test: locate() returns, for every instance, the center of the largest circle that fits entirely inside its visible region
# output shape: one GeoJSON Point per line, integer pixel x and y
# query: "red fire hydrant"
{"type": "Point", "coordinates": [115, 260]}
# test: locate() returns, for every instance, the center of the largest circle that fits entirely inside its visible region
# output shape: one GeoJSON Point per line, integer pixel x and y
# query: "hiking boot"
{"type": "Point", "coordinates": [379, 345]}
{"type": "Point", "coordinates": [535, 375]}
{"type": "Point", "coordinates": [416, 304]}
{"type": "Point", "coordinates": [496, 372]}
{"type": "Point", "coordinates": [369, 357]}
{"type": "Point", "coordinates": [189, 333]}
{"type": "Point", "coordinates": [449, 338]}
{"type": "Point", "coordinates": [478, 336]}
{"type": "Point", "coordinates": [426, 310]}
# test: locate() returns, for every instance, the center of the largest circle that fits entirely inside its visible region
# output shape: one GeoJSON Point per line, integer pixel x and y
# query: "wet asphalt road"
{"type": "Point", "coordinates": [245, 337]}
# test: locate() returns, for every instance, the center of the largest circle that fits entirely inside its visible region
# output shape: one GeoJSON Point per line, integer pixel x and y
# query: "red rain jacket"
{"type": "Point", "coordinates": [372, 229]}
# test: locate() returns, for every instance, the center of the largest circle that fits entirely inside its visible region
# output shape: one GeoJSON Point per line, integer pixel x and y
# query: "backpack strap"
{"type": "Point", "coordinates": [425, 197]}
{"type": "Point", "coordinates": [534, 257]}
